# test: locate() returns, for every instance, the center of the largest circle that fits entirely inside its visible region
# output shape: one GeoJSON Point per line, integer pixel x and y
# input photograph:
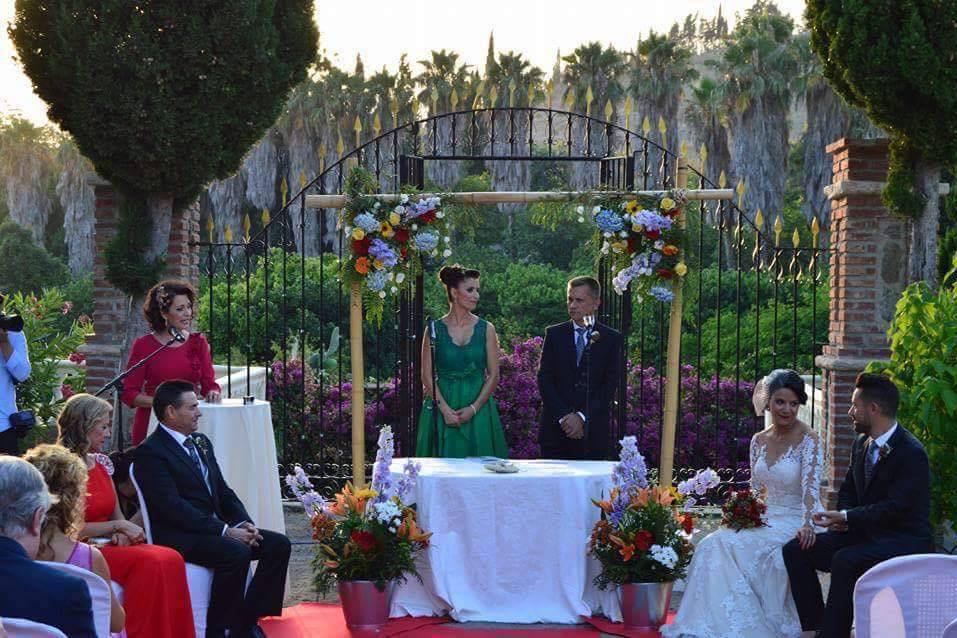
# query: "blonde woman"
{"type": "Point", "coordinates": [65, 476]}
{"type": "Point", "coordinates": [153, 577]}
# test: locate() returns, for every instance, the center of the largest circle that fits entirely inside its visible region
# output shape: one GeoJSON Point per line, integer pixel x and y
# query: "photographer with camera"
{"type": "Point", "coordinates": [14, 369]}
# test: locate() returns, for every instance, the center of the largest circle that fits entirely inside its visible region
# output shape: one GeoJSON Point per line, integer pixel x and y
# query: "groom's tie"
{"type": "Point", "coordinates": [190, 446]}
{"type": "Point", "coordinates": [579, 343]}
{"type": "Point", "coordinates": [869, 461]}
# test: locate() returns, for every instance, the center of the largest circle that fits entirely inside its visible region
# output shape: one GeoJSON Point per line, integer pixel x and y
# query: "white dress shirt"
{"type": "Point", "coordinates": [180, 438]}
{"type": "Point", "coordinates": [14, 370]}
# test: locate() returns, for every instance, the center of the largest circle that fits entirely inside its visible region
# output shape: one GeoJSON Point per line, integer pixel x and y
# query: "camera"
{"type": "Point", "coordinates": [11, 323]}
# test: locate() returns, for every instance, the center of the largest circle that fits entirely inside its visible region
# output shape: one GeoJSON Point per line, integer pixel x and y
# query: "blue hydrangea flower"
{"type": "Point", "coordinates": [426, 242]}
{"type": "Point", "coordinates": [378, 249]}
{"type": "Point", "coordinates": [661, 294]}
{"type": "Point", "coordinates": [609, 221]}
{"type": "Point", "coordinates": [367, 222]}
{"type": "Point", "coordinates": [651, 220]}
{"type": "Point", "coordinates": [375, 281]}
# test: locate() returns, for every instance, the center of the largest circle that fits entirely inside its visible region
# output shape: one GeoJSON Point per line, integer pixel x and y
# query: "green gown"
{"type": "Point", "coordinates": [461, 374]}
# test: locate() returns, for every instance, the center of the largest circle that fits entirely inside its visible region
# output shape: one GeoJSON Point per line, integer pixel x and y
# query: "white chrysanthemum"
{"type": "Point", "coordinates": [665, 556]}
{"type": "Point", "coordinates": [386, 512]}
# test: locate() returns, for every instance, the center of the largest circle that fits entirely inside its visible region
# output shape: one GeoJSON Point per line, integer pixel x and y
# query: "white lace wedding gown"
{"type": "Point", "coordinates": [737, 585]}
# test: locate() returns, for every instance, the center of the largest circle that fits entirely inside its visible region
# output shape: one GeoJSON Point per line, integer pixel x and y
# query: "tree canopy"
{"type": "Point", "coordinates": [164, 96]}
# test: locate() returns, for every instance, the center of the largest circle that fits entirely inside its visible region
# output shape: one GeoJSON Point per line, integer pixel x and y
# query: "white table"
{"type": "Point", "coordinates": [506, 547]}
{"type": "Point", "coordinates": [245, 447]}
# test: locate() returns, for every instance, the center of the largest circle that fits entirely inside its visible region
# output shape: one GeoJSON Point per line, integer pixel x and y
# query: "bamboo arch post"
{"type": "Point", "coordinates": [673, 365]}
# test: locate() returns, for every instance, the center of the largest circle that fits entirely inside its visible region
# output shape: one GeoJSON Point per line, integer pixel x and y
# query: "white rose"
{"type": "Point", "coordinates": [581, 220]}
{"type": "Point", "coordinates": [446, 253]}
{"type": "Point", "coordinates": [400, 277]}
{"type": "Point", "coordinates": [596, 210]}
{"type": "Point", "coordinates": [580, 210]}
{"type": "Point", "coordinates": [415, 227]}
{"type": "Point", "coordinates": [382, 293]}
{"type": "Point", "coordinates": [446, 239]}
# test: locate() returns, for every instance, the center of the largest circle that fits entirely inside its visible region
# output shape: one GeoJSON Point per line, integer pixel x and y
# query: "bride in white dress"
{"type": "Point", "coordinates": [737, 585]}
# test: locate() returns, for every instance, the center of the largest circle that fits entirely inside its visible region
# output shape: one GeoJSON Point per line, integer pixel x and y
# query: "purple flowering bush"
{"type": "Point", "coordinates": [715, 423]}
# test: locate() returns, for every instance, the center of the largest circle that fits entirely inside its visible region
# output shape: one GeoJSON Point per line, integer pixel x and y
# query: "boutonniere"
{"type": "Point", "coordinates": [595, 336]}
{"type": "Point", "coordinates": [201, 443]}
{"type": "Point", "coordinates": [884, 451]}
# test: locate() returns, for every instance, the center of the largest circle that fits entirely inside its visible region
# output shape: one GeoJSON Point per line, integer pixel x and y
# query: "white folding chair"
{"type": "Point", "coordinates": [913, 596]}
{"type": "Point", "coordinates": [199, 579]}
{"type": "Point", "coordinates": [23, 628]}
{"type": "Point", "coordinates": [99, 595]}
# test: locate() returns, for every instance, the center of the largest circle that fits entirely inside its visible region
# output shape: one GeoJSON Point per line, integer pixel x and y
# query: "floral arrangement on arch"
{"type": "Point", "coordinates": [643, 238]}
{"type": "Point", "coordinates": [643, 535]}
{"type": "Point", "coordinates": [365, 534]}
{"type": "Point", "coordinates": [388, 240]}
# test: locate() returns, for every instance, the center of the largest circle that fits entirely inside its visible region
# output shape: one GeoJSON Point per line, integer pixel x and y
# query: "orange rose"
{"type": "Point", "coordinates": [362, 265]}
{"type": "Point", "coordinates": [670, 250]}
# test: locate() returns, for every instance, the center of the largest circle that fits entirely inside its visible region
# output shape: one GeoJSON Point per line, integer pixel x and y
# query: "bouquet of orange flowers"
{"type": "Point", "coordinates": [641, 536]}
{"type": "Point", "coordinates": [744, 509]}
{"type": "Point", "coordinates": [364, 534]}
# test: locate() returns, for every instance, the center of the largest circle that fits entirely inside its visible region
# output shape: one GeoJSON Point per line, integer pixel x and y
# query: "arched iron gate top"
{"type": "Point", "coordinates": [432, 122]}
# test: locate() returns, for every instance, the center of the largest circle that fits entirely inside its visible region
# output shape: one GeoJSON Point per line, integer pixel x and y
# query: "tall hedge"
{"type": "Point", "coordinates": [164, 96]}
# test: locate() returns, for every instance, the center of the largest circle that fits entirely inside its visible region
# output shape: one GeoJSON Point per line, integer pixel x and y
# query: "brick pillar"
{"type": "Point", "coordinates": [112, 309]}
{"type": "Point", "coordinates": [104, 348]}
{"type": "Point", "coordinates": [868, 274]}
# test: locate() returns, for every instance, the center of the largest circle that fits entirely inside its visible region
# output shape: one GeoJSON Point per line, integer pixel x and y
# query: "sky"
{"type": "Point", "coordinates": [381, 31]}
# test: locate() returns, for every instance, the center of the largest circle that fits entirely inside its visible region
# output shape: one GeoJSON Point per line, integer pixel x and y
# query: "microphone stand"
{"type": "Point", "coordinates": [590, 324]}
{"type": "Point", "coordinates": [435, 379]}
{"type": "Point", "coordinates": [116, 384]}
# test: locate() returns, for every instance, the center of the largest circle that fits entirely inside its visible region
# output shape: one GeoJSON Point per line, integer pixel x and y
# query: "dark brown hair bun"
{"type": "Point", "coordinates": [452, 276]}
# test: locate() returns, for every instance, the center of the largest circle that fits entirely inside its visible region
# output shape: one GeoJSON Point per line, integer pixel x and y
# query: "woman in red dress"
{"type": "Point", "coordinates": [169, 306]}
{"type": "Point", "coordinates": [155, 593]}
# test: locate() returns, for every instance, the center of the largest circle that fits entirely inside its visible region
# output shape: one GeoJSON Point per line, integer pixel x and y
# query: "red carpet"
{"type": "Point", "coordinates": [324, 620]}
{"type": "Point", "coordinates": [618, 629]}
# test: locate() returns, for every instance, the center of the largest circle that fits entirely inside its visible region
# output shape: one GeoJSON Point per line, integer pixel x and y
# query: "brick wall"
{"type": "Point", "coordinates": [868, 273]}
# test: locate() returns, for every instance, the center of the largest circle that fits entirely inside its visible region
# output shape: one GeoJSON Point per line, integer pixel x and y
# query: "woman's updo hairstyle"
{"type": "Point", "coordinates": [452, 276]}
{"type": "Point", "coordinates": [774, 381]}
{"type": "Point", "coordinates": [160, 298]}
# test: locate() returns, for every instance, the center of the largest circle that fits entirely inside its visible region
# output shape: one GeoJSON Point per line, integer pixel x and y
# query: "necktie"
{"type": "Point", "coordinates": [579, 343]}
{"type": "Point", "coordinates": [869, 461]}
{"type": "Point", "coordinates": [194, 455]}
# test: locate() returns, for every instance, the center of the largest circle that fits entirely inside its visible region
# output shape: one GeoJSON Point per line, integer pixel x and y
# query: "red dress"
{"type": "Point", "coordinates": [190, 361]}
{"type": "Point", "coordinates": [155, 594]}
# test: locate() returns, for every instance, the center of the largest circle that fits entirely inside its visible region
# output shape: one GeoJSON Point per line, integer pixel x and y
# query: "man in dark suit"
{"type": "Point", "coordinates": [883, 510]}
{"type": "Point", "coordinates": [193, 510]}
{"type": "Point", "coordinates": [577, 377]}
{"type": "Point", "coordinates": [31, 590]}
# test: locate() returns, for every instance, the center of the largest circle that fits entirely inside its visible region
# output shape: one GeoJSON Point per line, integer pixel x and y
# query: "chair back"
{"type": "Point", "coordinates": [23, 628]}
{"type": "Point", "coordinates": [913, 596]}
{"type": "Point", "coordinates": [143, 509]}
{"type": "Point", "coordinates": [99, 595]}
{"type": "Point", "coordinates": [950, 631]}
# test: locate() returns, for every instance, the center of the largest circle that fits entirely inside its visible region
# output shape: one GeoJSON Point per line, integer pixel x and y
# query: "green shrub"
{"type": "Point", "coordinates": [25, 266]}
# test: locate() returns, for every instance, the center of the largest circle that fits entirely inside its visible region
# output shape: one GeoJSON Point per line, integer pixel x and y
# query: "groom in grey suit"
{"type": "Point", "coordinates": [883, 511]}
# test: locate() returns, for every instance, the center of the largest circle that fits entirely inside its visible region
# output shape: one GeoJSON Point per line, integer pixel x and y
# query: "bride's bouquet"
{"type": "Point", "coordinates": [365, 534]}
{"type": "Point", "coordinates": [643, 536]}
{"type": "Point", "coordinates": [744, 509]}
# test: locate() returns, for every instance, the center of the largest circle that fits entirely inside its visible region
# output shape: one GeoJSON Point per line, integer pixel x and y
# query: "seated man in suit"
{"type": "Point", "coordinates": [883, 511]}
{"type": "Point", "coordinates": [32, 590]}
{"type": "Point", "coordinates": [577, 378]}
{"type": "Point", "coordinates": [192, 510]}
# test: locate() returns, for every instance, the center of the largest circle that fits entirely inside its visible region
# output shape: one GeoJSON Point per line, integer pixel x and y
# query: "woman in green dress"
{"type": "Point", "coordinates": [466, 363]}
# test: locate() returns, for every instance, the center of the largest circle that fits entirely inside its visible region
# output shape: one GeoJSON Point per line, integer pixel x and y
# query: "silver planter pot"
{"type": "Point", "coordinates": [645, 605]}
{"type": "Point", "coordinates": [363, 605]}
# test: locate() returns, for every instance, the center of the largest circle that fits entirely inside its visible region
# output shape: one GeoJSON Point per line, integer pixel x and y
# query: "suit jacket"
{"type": "Point", "coordinates": [895, 504]}
{"type": "Point", "coordinates": [42, 594]}
{"type": "Point", "coordinates": [179, 504]}
{"type": "Point", "coordinates": [563, 383]}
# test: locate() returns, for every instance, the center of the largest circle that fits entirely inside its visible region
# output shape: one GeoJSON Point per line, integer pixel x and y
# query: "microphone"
{"type": "Point", "coordinates": [176, 334]}
{"type": "Point", "coordinates": [431, 329]}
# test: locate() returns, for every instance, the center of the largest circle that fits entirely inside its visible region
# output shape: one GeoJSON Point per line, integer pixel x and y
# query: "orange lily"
{"type": "Point", "coordinates": [410, 529]}
{"type": "Point", "coordinates": [627, 550]}
{"type": "Point", "coordinates": [640, 499]}
{"type": "Point", "coordinates": [606, 505]}
{"type": "Point", "coordinates": [664, 496]}
{"type": "Point", "coordinates": [331, 564]}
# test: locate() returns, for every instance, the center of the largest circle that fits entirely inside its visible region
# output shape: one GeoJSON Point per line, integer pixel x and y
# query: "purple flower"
{"type": "Point", "coordinates": [379, 250]}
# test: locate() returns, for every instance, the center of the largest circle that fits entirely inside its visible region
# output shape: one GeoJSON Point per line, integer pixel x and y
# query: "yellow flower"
{"type": "Point", "coordinates": [638, 228]}
{"type": "Point", "coordinates": [681, 270]}
{"type": "Point", "coordinates": [632, 206]}
{"type": "Point", "coordinates": [667, 204]}
{"type": "Point", "coordinates": [378, 264]}
{"type": "Point", "coordinates": [619, 246]}
{"type": "Point", "coordinates": [386, 229]}
{"type": "Point", "coordinates": [394, 218]}
{"type": "Point", "coordinates": [358, 233]}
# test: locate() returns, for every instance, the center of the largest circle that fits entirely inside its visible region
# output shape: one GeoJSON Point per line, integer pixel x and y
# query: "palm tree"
{"type": "Point", "coordinates": [77, 201]}
{"type": "Point", "coordinates": [756, 72]}
{"type": "Point", "coordinates": [443, 80]}
{"type": "Point", "coordinates": [591, 71]}
{"type": "Point", "coordinates": [703, 113]}
{"type": "Point", "coordinates": [658, 71]}
{"type": "Point", "coordinates": [514, 82]}
{"type": "Point", "coordinates": [27, 171]}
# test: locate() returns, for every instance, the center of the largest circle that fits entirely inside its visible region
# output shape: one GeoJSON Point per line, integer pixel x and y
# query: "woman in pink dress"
{"type": "Point", "coordinates": [169, 309]}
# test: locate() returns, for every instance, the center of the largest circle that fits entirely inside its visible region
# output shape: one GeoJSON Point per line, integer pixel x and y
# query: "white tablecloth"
{"type": "Point", "coordinates": [507, 547]}
{"type": "Point", "coordinates": [245, 448]}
